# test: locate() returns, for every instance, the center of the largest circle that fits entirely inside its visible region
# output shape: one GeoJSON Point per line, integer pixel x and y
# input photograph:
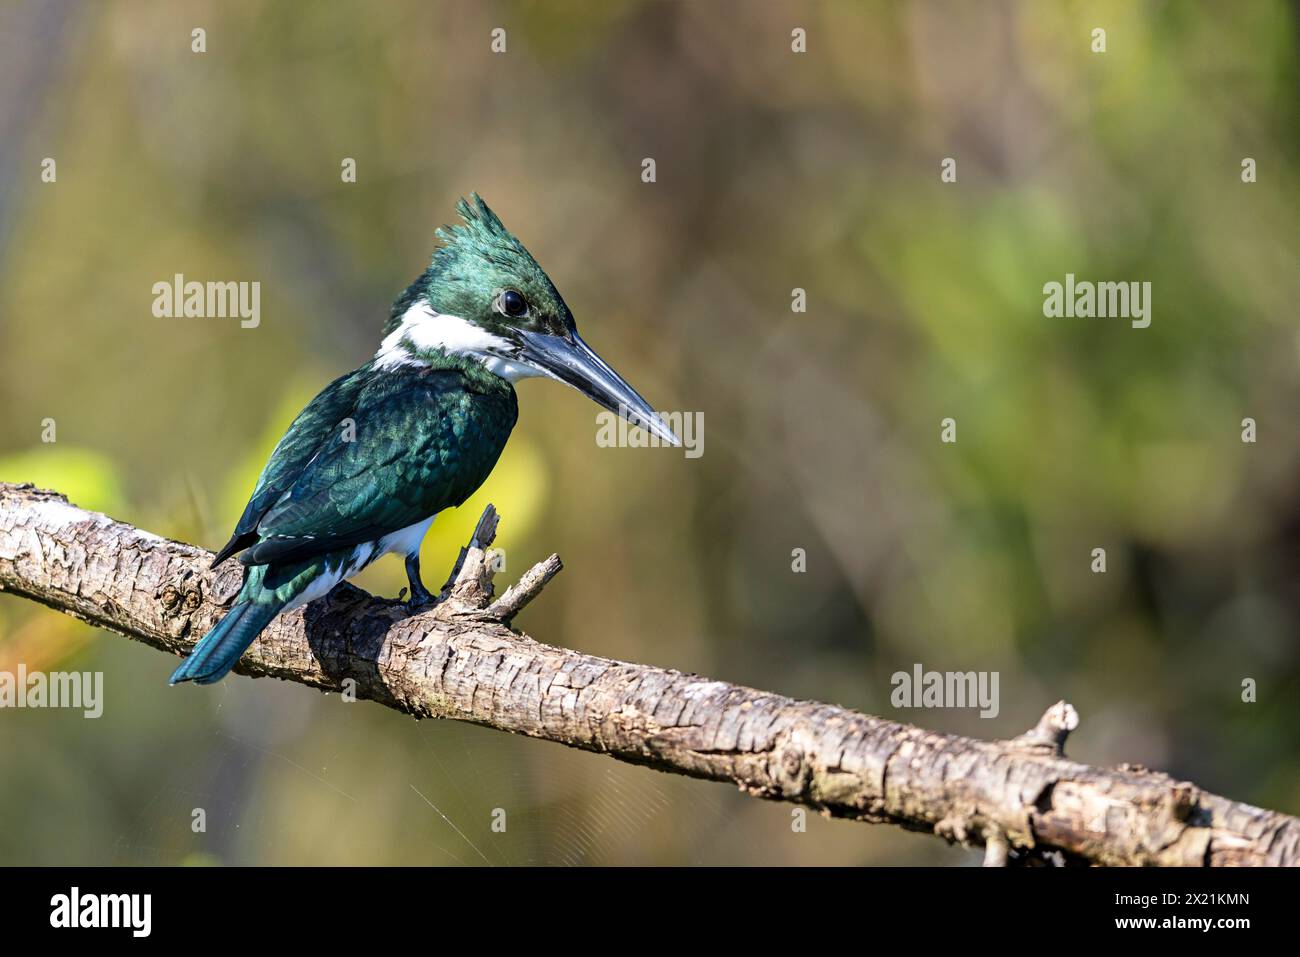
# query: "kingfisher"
{"type": "Point", "coordinates": [365, 467]}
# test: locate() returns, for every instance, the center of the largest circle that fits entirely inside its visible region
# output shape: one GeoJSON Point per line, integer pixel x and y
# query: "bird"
{"type": "Point", "coordinates": [363, 470]}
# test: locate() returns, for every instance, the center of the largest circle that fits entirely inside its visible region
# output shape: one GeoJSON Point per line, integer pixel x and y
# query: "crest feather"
{"type": "Point", "coordinates": [479, 224]}
{"type": "Point", "coordinates": [479, 238]}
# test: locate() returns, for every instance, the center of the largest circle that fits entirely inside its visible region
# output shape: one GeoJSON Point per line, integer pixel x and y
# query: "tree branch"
{"type": "Point", "coordinates": [1021, 798]}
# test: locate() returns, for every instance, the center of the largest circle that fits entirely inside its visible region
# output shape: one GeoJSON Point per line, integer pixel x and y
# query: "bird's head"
{"type": "Point", "coordinates": [485, 298]}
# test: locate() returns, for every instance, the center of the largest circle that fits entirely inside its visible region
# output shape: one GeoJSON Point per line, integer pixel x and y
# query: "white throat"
{"type": "Point", "coordinates": [428, 330]}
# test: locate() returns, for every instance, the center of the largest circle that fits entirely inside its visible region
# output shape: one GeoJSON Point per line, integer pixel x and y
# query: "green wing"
{"type": "Point", "coordinates": [421, 440]}
{"type": "Point", "coordinates": [306, 434]}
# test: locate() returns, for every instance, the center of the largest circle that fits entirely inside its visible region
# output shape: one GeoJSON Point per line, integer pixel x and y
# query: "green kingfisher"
{"type": "Point", "coordinates": [365, 467]}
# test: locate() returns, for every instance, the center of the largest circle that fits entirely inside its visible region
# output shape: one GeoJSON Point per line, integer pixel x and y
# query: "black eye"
{"type": "Point", "coordinates": [513, 304]}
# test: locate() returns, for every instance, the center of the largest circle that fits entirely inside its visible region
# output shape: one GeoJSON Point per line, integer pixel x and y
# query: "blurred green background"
{"type": "Point", "coordinates": [775, 170]}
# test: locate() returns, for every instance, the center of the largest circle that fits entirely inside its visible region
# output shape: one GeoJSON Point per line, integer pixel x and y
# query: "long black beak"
{"type": "Point", "coordinates": [573, 362]}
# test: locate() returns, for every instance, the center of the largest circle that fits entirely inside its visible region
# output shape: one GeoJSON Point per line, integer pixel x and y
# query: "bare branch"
{"type": "Point", "coordinates": [528, 587]}
{"type": "Point", "coordinates": [1021, 798]}
{"type": "Point", "coordinates": [995, 848]}
{"type": "Point", "coordinates": [1052, 729]}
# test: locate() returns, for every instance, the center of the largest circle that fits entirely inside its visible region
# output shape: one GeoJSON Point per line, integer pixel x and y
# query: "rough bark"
{"type": "Point", "coordinates": [1021, 799]}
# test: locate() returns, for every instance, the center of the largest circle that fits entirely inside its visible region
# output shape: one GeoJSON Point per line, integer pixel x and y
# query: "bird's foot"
{"type": "Point", "coordinates": [420, 596]}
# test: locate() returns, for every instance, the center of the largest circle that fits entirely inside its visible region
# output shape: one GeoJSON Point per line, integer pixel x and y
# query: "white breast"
{"type": "Point", "coordinates": [405, 541]}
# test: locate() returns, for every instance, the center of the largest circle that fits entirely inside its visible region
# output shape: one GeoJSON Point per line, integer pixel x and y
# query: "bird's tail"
{"type": "Point", "coordinates": [218, 650]}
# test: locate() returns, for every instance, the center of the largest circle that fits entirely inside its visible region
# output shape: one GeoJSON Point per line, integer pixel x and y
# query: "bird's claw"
{"type": "Point", "coordinates": [419, 598]}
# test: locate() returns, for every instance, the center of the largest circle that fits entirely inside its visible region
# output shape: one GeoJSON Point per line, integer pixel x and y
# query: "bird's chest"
{"type": "Point", "coordinates": [459, 449]}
